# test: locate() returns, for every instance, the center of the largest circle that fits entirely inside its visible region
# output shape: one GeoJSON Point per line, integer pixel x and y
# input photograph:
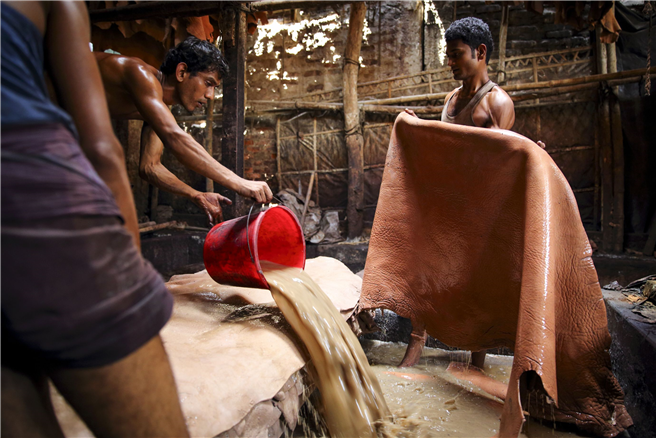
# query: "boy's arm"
{"type": "Point", "coordinates": [152, 170]}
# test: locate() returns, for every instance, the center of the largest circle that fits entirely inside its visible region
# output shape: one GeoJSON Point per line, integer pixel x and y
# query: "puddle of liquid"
{"type": "Point", "coordinates": [435, 402]}
{"type": "Point", "coordinates": [352, 400]}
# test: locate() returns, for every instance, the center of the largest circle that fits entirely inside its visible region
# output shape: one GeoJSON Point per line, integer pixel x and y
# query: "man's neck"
{"type": "Point", "coordinates": [471, 85]}
{"type": "Point", "coordinates": [169, 95]}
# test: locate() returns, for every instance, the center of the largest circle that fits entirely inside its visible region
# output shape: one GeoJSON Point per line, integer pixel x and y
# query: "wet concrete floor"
{"type": "Point", "coordinates": [437, 404]}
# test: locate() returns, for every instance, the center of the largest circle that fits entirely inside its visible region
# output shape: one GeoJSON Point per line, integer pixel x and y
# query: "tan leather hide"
{"type": "Point", "coordinates": [477, 238]}
{"type": "Point", "coordinates": [227, 359]}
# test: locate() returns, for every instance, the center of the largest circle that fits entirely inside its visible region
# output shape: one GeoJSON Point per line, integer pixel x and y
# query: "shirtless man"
{"type": "Point", "coordinates": [478, 102]}
{"type": "Point", "coordinates": [188, 75]}
{"type": "Point", "coordinates": [80, 306]}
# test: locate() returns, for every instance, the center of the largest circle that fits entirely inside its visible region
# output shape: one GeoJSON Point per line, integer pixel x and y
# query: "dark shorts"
{"type": "Point", "coordinates": [76, 293]}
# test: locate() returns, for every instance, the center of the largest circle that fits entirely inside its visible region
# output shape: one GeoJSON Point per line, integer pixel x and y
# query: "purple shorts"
{"type": "Point", "coordinates": [76, 292]}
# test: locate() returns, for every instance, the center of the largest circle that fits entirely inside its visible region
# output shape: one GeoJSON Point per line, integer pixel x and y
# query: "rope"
{"type": "Point", "coordinates": [351, 61]}
{"type": "Point", "coordinates": [356, 130]}
{"type": "Point", "coordinates": [649, 10]}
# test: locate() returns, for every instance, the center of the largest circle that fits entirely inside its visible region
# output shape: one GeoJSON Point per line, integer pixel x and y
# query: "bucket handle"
{"type": "Point", "coordinates": [248, 220]}
{"type": "Point", "coordinates": [248, 240]}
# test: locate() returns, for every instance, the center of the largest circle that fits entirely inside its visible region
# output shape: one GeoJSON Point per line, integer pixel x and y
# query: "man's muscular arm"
{"type": "Point", "coordinates": [80, 91]}
{"type": "Point", "coordinates": [147, 93]}
{"type": "Point", "coordinates": [501, 110]}
{"type": "Point", "coordinates": [152, 170]}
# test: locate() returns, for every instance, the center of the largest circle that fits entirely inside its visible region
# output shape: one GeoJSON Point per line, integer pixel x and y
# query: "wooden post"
{"type": "Point", "coordinates": [209, 134]}
{"type": "Point", "coordinates": [307, 200]}
{"type": "Point", "coordinates": [608, 234]}
{"type": "Point", "coordinates": [278, 149]}
{"type": "Point", "coordinates": [503, 33]}
{"type": "Point", "coordinates": [314, 157]}
{"type": "Point", "coordinates": [352, 129]}
{"type": "Point", "coordinates": [618, 156]}
{"type": "Point", "coordinates": [233, 27]}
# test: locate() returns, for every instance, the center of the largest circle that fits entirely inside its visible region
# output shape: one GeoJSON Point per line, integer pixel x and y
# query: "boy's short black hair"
{"type": "Point", "coordinates": [473, 32]}
{"type": "Point", "coordinates": [199, 55]}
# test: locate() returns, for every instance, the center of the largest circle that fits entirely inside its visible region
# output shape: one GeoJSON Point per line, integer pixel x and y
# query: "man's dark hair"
{"type": "Point", "coordinates": [199, 55]}
{"type": "Point", "coordinates": [473, 32]}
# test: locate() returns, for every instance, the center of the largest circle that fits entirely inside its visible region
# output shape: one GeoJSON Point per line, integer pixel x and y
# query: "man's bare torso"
{"type": "Point", "coordinates": [482, 113]}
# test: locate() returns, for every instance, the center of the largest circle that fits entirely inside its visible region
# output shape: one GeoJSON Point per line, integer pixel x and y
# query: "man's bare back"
{"type": "Point", "coordinates": [113, 69]}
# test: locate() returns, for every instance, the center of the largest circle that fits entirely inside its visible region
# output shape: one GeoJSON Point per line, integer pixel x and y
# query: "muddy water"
{"type": "Point", "coordinates": [352, 399]}
{"type": "Point", "coordinates": [429, 400]}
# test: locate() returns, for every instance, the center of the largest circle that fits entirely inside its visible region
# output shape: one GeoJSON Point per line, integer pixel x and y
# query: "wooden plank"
{"type": "Point", "coordinates": [233, 26]}
{"type": "Point", "coordinates": [352, 130]}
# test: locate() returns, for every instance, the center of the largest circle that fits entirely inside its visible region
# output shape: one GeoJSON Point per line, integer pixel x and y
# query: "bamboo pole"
{"type": "Point", "coordinates": [618, 156]}
{"type": "Point", "coordinates": [503, 32]}
{"type": "Point", "coordinates": [307, 199]}
{"type": "Point", "coordinates": [368, 106]}
{"type": "Point", "coordinates": [447, 70]}
{"type": "Point", "coordinates": [278, 154]}
{"type": "Point", "coordinates": [353, 132]}
{"type": "Point", "coordinates": [606, 153]}
{"type": "Point", "coordinates": [435, 110]}
{"type": "Point", "coordinates": [314, 155]}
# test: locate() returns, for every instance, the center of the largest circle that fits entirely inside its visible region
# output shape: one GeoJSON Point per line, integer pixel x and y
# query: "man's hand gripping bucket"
{"type": "Point", "coordinates": [233, 249]}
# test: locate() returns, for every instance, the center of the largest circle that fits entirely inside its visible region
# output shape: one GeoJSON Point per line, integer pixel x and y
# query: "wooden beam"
{"type": "Point", "coordinates": [282, 106]}
{"type": "Point", "coordinates": [233, 26]}
{"type": "Point", "coordinates": [503, 33]}
{"type": "Point", "coordinates": [198, 8]}
{"type": "Point", "coordinates": [154, 9]}
{"type": "Point", "coordinates": [618, 156]}
{"type": "Point", "coordinates": [608, 235]}
{"type": "Point", "coordinates": [352, 128]}
{"type": "Point", "coordinates": [280, 5]}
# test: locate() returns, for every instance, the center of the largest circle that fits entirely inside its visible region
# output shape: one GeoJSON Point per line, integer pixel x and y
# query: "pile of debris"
{"type": "Point", "coordinates": [317, 227]}
{"type": "Point", "coordinates": [642, 293]}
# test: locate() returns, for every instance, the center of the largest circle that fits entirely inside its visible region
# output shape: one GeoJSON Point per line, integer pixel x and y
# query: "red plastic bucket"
{"type": "Point", "coordinates": [232, 254]}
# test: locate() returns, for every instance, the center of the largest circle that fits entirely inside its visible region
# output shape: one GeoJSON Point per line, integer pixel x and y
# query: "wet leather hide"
{"type": "Point", "coordinates": [477, 238]}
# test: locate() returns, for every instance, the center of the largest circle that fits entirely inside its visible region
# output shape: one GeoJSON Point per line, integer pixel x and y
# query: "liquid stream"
{"type": "Point", "coordinates": [352, 398]}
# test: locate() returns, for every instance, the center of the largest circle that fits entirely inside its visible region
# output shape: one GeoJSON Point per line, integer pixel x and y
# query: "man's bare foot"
{"type": "Point", "coordinates": [415, 347]}
{"type": "Point", "coordinates": [476, 376]}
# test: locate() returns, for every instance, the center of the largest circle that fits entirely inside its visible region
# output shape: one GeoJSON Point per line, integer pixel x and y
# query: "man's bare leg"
{"type": "Point", "coordinates": [26, 406]}
{"type": "Point", "coordinates": [478, 359]}
{"type": "Point", "coordinates": [415, 347]}
{"type": "Point", "coordinates": [134, 397]}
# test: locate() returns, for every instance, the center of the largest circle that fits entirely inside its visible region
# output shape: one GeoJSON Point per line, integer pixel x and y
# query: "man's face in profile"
{"type": "Point", "coordinates": [196, 89]}
{"type": "Point", "coordinates": [462, 62]}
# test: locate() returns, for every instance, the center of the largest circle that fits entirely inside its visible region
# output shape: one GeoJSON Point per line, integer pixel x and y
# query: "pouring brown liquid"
{"type": "Point", "coordinates": [352, 399]}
